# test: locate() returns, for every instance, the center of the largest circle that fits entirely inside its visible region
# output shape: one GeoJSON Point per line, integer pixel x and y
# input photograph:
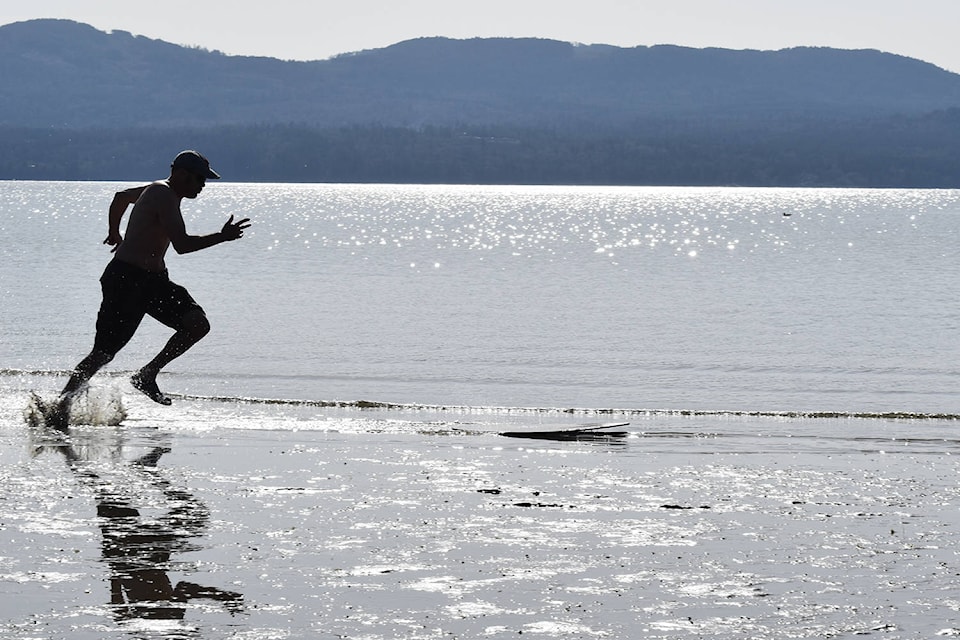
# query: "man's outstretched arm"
{"type": "Point", "coordinates": [185, 243]}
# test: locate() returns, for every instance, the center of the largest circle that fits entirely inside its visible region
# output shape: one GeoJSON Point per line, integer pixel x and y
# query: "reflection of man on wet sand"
{"type": "Point", "coordinates": [138, 554]}
{"type": "Point", "coordinates": [138, 550]}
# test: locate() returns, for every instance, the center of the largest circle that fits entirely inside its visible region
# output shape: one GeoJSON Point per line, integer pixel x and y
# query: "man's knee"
{"type": "Point", "coordinates": [196, 324]}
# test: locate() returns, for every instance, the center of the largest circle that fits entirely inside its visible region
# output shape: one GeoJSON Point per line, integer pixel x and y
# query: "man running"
{"type": "Point", "coordinates": [135, 282]}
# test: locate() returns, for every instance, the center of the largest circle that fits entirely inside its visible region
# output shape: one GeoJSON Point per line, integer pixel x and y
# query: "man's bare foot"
{"type": "Point", "coordinates": [147, 385]}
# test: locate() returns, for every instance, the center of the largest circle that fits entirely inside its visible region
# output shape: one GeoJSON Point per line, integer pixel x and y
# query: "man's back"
{"type": "Point", "coordinates": [147, 239]}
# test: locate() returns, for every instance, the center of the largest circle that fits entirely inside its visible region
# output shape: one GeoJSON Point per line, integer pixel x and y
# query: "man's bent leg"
{"type": "Point", "coordinates": [193, 328]}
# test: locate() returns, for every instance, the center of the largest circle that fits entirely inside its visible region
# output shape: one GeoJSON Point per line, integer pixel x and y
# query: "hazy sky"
{"type": "Point", "coordinates": [316, 29]}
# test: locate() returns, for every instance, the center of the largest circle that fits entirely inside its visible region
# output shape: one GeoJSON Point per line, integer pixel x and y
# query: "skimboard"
{"type": "Point", "coordinates": [581, 432]}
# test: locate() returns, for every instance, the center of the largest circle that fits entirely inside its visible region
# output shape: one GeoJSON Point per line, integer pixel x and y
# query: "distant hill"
{"type": "Point", "coordinates": [58, 73]}
{"type": "Point", "coordinates": [80, 104]}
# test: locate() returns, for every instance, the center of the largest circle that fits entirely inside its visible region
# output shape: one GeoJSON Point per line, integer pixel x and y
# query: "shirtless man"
{"type": "Point", "coordinates": [135, 283]}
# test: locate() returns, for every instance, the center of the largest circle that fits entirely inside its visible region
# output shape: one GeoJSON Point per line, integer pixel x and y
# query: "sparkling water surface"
{"type": "Point", "coordinates": [632, 298]}
{"type": "Point", "coordinates": [332, 466]}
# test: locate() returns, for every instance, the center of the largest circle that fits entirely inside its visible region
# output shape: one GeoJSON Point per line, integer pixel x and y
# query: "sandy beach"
{"type": "Point", "coordinates": [187, 523]}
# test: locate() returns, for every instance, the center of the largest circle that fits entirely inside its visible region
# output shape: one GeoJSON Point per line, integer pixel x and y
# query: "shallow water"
{"type": "Point", "coordinates": [332, 465]}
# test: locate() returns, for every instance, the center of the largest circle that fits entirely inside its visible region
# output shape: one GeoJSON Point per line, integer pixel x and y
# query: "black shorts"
{"type": "Point", "coordinates": [129, 293]}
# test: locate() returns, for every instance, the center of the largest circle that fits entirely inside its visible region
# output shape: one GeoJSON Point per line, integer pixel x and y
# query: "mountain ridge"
{"type": "Point", "coordinates": [71, 75]}
{"type": "Point", "coordinates": [82, 104]}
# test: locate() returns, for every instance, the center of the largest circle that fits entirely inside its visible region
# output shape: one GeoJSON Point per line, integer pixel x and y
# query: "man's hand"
{"type": "Point", "coordinates": [113, 239]}
{"type": "Point", "coordinates": [233, 230]}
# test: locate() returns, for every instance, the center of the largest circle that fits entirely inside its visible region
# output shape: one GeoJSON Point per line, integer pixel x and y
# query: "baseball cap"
{"type": "Point", "coordinates": [193, 162]}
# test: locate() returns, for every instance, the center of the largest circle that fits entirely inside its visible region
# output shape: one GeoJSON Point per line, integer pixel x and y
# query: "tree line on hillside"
{"type": "Point", "coordinates": [920, 152]}
{"type": "Point", "coordinates": [69, 75]}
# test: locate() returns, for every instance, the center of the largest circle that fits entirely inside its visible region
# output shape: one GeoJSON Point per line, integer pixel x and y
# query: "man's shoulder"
{"type": "Point", "coordinates": [158, 189]}
{"type": "Point", "coordinates": [158, 194]}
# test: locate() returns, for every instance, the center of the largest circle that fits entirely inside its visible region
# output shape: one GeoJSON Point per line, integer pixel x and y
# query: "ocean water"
{"type": "Point", "coordinates": [638, 299]}
{"type": "Point", "coordinates": [333, 464]}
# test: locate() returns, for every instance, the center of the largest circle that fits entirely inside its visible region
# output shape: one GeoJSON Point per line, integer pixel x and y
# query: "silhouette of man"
{"type": "Point", "coordinates": [135, 282]}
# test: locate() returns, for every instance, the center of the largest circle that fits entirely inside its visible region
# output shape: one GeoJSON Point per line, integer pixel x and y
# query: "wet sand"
{"type": "Point", "coordinates": [213, 521]}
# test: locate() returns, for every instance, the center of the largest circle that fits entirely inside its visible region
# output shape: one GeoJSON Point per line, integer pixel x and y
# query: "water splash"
{"type": "Point", "coordinates": [98, 406]}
